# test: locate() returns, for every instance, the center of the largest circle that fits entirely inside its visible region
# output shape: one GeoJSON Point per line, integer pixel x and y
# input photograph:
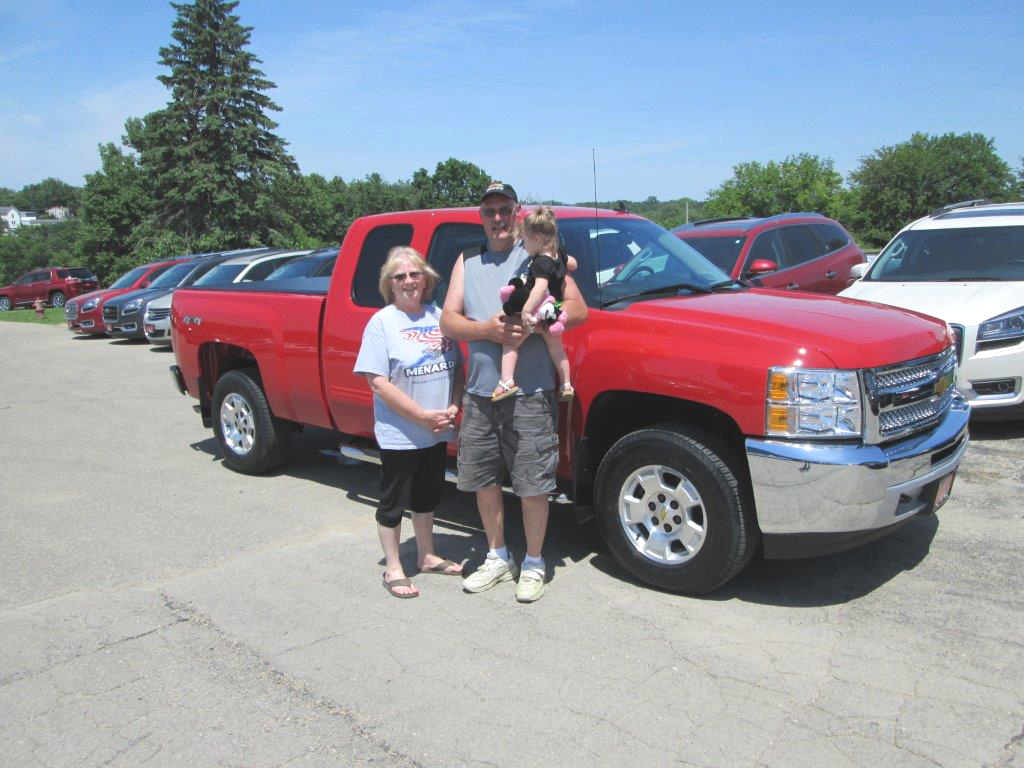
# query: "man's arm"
{"type": "Point", "coordinates": [455, 324]}
{"type": "Point", "coordinates": [573, 304]}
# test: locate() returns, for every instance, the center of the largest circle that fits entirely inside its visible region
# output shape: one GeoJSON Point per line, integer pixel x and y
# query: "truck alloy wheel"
{"type": "Point", "coordinates": [672, 510]}
{"type": "Point", "coordinates": [251, 439]}
{"type": "Point", "coordinates": [5, 304]}
{"type": "Point", "coordinates": [57, 299]}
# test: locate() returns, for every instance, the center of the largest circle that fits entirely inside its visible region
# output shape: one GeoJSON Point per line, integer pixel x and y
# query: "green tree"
{"type": "Point", "coordinates": [1020, 180]}
{"type": "Point", "coordinates": [454, 183]}
{"type": "Point", "coordinates": [799, 183]}
{"type": "Point", "coordinates": [46, 194]}
{"type": "Point", "coordinates": [7, 196]}
{"type": "Point", "coordinates": [28, 248]}
{"type": "Point", "coordinates": [114, 204]}
{"type": "Point", "coordinates": [211, 155]}
{"type": "Point", "coordinates": [902, 182]}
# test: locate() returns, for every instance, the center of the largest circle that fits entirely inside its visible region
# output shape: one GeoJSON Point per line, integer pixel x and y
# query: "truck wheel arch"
{"type": "Point", "coordinates": [218, 358]}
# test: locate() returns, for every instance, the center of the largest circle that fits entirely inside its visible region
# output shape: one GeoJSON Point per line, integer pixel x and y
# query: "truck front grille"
{"type": "Point", "coordinates": [70, 311]}
{"type": "Point", "coordinates": [157, 314]}
{"type": "Point", "coordinates": [909, 397]}
{"type": "Point", "coordinates": [109, 313]}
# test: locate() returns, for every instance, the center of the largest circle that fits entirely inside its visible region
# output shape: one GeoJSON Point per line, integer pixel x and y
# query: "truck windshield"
{"type": "Point", "coordinates": [173, 276]}
{"type": "Point", "coordinates": [721, 251]}
{"type": "Point", "coordinates": [952, 255]}
{"type": "Point", "coordinates": [125, 280]}
{"type": "Point", "coordinates": [619, 257]}
{"type": "Point", "coordinates": [222, 273]}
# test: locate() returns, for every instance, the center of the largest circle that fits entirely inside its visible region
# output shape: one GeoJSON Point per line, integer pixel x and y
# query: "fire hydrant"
{"type": "Point", "coordinates": [39, 304]}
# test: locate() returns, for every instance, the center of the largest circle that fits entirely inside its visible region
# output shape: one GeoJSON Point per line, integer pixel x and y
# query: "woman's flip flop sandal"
{"type": "Point", "coordinates": [442, 568]}
{"type": "Point", "coordinates": [390, 587]}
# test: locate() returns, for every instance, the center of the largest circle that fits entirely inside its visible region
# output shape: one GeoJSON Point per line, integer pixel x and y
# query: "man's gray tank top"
{"type": "Point", "coordinates": [484, 275]}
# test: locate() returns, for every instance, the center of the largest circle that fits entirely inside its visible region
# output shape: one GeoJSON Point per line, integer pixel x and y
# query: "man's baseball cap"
{"type": "Point", "coordinates": [500, 188]}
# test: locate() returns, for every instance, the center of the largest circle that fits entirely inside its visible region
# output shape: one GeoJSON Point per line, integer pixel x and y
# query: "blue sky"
{"type": "Point", "coordinates": [671, 94]}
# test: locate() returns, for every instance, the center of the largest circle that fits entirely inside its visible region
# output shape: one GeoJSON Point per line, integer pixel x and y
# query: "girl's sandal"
{"type": "Point", "coordinates": [567, 394]}
{"type": "Point", "coordinates": [503, 390]}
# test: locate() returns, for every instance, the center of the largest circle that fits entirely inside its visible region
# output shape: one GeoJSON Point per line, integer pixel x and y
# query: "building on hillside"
{"type": "Point", "coordinates": [14, 218]}
{"type": "Point", "coordinates": [59, 212]}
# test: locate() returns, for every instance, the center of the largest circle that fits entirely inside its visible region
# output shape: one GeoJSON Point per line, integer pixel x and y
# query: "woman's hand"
{"type": "Point", "coordinates": [436, 421]}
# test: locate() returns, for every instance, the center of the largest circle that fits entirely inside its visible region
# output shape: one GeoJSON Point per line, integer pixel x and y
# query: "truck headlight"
{"type": "Point", "coordinates": [90, 305]}
{"type": "Point", "coordinates": [1002, 327]}
{"type": "Point", "coordinates": [813, 403]}
{"type": "Point", "coordinates": [132, 305]}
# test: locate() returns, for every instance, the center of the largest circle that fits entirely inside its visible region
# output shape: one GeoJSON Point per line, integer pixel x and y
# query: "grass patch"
{"type": "Point", "coordinates": [51, 316]}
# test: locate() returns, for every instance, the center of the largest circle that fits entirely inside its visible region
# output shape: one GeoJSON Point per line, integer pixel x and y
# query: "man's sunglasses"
{"type": "Point", "coordinates": [400, 277]}
{"type": "Point", "coordinates": [488, 212]}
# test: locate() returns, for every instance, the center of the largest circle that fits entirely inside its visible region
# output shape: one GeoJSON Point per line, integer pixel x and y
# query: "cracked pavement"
{"type": "Point", "coordinates": [158, 609]}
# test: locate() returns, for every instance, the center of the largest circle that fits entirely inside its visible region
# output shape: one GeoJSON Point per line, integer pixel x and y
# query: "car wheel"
{"type": "Point", "coordinates": [252, 440]}
{"type": "Point", "coordinates": [5, 304]}
{"type": "Point", "coordinates": [57, 299]}
{"type": "Point", "coordinates": [672, 510]}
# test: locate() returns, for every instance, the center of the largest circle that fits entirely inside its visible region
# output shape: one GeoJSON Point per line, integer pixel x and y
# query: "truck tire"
{"type": "Point", "coordinates": [57, 299]}
{"type": "Point", "coordinates": [252, 440]}
{"type": "Point", "coordinates": [672, 510]}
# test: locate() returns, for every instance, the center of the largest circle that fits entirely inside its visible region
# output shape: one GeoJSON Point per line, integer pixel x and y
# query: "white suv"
{"type": "Point", "coordinates": [964, 264]}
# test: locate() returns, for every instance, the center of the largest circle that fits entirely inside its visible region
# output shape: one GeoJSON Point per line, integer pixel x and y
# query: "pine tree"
{"type": "Point", "coordinates": [211, 154]}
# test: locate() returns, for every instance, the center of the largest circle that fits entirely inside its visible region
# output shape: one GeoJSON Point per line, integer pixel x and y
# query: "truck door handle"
{"type": "Point", "coordinates": [831, 274]}
{"type": "Point", "coordinates": [792, 286]}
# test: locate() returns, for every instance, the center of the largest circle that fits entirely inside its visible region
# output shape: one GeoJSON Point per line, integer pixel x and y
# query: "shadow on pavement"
{"type": "Point", "coordinates": [985, 431]}
{"type": "Point", "coordinates": [161, 348]}
{"type": "Point", "coordinates": [812, 582]}
{"type": "Point", "coordinates": [93, 336]}
{"type": "Point", "coordinates": [819, 581]}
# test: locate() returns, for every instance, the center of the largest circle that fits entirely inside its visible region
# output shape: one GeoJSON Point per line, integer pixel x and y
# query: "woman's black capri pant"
{"type": "Point", "coordinates": [410, 479]}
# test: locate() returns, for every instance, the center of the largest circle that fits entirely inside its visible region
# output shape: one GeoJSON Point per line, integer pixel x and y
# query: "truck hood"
{"type": "Point", "coordinates": [83, 297]}
{"type": "Point", "coordinates": [966, 304]}
{"type": "Point", "coordinates": [853, 334]}
{"type": "Point", "coordinates": [124, 298]}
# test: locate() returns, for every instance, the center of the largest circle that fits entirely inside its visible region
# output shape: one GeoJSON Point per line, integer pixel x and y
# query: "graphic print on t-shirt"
{"type": "Point", "coordinates": [432, 361]}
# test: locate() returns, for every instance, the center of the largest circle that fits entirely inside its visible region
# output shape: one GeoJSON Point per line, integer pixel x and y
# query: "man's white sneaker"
{"type": "Point", "coordinates": [491, 573]}
{"type": "Point", "coordinates": [530, 586]}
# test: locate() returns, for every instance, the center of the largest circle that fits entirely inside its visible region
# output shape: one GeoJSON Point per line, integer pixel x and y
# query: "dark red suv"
{"type": "Point", "coordinates": [54, 285]}
{"type": "Point", "coordinates": [795, 251]}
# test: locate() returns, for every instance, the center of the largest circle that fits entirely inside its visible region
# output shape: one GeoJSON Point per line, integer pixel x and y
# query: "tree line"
{"type": "Point", "coordinates": [208, 172]}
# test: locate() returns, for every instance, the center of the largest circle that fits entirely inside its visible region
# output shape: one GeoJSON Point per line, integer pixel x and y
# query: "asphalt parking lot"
{"type": "Point", "coordinates": [157, 608]}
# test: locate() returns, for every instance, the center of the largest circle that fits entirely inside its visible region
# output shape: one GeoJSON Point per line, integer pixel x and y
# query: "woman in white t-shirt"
{"type": "Point", "coordinates": [416, 375]}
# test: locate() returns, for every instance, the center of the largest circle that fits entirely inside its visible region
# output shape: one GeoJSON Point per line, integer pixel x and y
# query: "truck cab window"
{"type": "Point", "coordinates": [449, 241]}
{"type": "Point", "coordinates": [371, 258]}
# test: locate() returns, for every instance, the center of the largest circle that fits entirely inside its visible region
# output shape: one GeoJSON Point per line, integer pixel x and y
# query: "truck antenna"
{"type": "Point", "coordinates": [597, 232]}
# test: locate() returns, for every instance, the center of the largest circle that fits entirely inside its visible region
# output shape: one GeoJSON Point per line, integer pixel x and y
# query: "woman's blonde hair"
{"type": "Point", "coordinates": [542, 222]}
{"type": "Point", "coordinates": [395, 257]}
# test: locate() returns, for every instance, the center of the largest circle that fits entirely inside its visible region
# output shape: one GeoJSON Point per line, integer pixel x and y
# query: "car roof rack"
{"type": "Point", "coordinates": [702, 222]}
{"type": "Point", "coordinates": [964, 204]}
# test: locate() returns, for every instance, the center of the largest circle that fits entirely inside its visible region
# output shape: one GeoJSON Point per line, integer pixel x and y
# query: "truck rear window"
{"type": "Point", "coordinates": [79, 272]}
{"type": "Point", "coordinates": [375, 249]}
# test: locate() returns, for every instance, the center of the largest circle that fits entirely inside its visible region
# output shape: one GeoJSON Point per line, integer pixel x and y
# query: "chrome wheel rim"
{"type": "Point", "coordinates": [5, 304]}
{"type": "Point", "coordinates": [662, 514]}
{"type": "Point", "coordinates": [57, 300]}
{"type": "Point", "coordinates": [237, 424]}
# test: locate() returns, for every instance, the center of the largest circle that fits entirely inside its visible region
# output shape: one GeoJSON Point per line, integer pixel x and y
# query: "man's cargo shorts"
{"type": "Point", "coordinates": [516, 438]}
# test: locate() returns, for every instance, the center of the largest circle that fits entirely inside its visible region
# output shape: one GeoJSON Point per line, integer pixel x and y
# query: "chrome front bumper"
{"type": "Point", "coordinates": [815, 488]}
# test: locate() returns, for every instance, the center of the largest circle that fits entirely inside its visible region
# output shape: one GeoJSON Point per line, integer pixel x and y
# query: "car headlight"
{"type": "Point", "coordinates": [132, 305]}
{"type": "Point", "coordinates": [813, 403]}
{"type": "Point", "coordinates": [90, 305]}
{"type": "Point", "coordinates": [1006, 326]}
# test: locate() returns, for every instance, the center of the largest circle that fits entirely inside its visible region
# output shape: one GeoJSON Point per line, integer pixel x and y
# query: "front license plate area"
{"type": "Point", "coordinates": [942, 490]}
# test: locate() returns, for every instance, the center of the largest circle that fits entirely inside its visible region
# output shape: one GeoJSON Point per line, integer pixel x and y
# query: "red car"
{"type": "Point", "coordinates": [793, 251]}
{"type": "Point", "coordinates": [54, 285]}
{"type": "Point", "coordinates": [85, 313]}
{"type": "Point", "coordinates": [709, 416]}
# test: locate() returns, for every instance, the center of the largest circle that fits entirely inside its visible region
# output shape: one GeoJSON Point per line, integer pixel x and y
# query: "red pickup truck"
{"type": "Point", "coordinates": [710, 416]}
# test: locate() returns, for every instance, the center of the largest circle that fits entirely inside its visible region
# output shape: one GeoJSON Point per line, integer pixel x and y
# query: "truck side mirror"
{"type": "Point", "coordinates": [857, 270]}
{"type": "Point", "coordinates": [762, 267]}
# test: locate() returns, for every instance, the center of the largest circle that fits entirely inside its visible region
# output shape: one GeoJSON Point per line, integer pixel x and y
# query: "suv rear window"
{"type": "Point", "coordinates": [79, 272]}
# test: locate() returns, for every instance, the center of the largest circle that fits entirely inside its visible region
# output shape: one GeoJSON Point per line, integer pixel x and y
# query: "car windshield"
{"type": "Point", "coordinates": [952, 255]}
{"type": "Point", "coordinates": [297, 268]}
{"type": "Point", "coordinates": [722, 251]}
{"type": "Point", "coordinates": [222, 273]}
{"type": "Point", "coordinates": [173, 276]}
{"type": "Point", "coordinates": [623, 257]}
{"type": "Point", "coordinates": [126, 280]}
